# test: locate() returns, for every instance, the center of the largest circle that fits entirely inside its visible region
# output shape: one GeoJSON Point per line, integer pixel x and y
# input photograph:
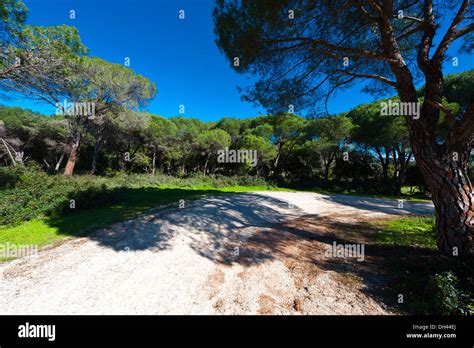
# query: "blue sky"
{"type": "Point", "coordinates": [180, 56]}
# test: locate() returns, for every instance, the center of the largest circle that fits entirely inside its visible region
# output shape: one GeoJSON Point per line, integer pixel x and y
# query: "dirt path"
{"type": "Point", "coordinates": [251, 253]}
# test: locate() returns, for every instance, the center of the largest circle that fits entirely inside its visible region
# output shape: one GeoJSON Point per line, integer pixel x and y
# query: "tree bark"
{"type": "Point", "coordinates": [384, 162]}
{"type": "Point", "coordinates": [452, 195]}
{"type": "Point", "coordinates": [71, 161]}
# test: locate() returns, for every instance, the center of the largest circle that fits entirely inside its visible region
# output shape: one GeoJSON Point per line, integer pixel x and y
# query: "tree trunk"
{"type": "Point", "coordinates": [153, 163]}
{"type": "Point", "coordinates": [95, 153]}
{"type": "Point", "coordinates": [71, 161]}
{"type": "Point", "coordinates": [453, 197]}
{"type": "Point", "coordinates": [58, 163]}
{"type": "Point", "coordinates": [327, 166]}
{"type": "Point", "coordinates": [205, 165]}
{"type": "Point", "coordinates": [444, 166]}
{"type": "Point", "coordinates": [384, 162]}
{"type": "Point", "coordinates": [9, 152]}
{"type": "Point", "coordinates": [277, 159]}
{"type": "Point", "coordinates": [401, 160]}
{"type": "Point", "coordinates": [120, 161]}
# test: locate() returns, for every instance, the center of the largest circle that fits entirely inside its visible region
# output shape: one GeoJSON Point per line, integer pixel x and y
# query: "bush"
{"type": "Point", "coordinates": [449, 298]}
{"type": "Point", "coordinates": [436, 284]}
{"type": "Point", "coordinates": [9, 176]}
{"type": "Point", "coordinates": [34, 194]}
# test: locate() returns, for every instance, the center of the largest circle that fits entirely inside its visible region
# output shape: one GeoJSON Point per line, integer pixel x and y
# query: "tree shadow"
{"type": "Point", "coordinates": [378, 271]}
{"type": "Point", "coordinates": [214, 225]}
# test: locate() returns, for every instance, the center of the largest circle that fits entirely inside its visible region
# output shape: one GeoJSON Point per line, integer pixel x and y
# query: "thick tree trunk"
{"type": "Point", "coordinates": [453, 197]}
{"type": "Point", "coordinates": [71, 162]}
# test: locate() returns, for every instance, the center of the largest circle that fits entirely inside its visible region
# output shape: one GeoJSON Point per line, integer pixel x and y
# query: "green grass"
{"type": "Point", "coordinates": [431, 283]}
{"type": "Point", "coordinates": [409, 231]}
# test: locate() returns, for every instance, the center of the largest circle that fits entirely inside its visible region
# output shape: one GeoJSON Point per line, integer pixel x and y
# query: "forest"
{"type": "Point", "coordinates": [358, 151]}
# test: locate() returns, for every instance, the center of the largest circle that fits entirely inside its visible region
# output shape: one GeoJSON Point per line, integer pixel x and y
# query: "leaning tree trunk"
{"type": "Point", "coordinates": [71, 162]}
{"type": "Point", "coordinates": [447, 178]}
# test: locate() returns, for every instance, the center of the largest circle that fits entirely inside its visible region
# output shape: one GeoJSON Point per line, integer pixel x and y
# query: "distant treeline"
{"type": "Point", "coordinates": [361, 149]}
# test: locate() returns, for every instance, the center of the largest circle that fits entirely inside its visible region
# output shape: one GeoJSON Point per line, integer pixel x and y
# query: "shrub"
{"type": "Point", "coordinates": [35, 194]}
{"type": "Point", "coordinates": [449, 298]}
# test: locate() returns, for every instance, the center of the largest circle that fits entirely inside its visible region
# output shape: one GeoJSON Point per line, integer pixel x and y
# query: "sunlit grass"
{"type": "Point", "coordinates": [409, 231]}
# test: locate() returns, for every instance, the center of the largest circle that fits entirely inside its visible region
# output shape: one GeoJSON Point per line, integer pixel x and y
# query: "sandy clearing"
{"type": "Point", "coordinates": [225, 254]}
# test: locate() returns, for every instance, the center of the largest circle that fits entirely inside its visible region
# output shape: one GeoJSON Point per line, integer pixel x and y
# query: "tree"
{"type": "Point", "coordinates": [266, 151]}
{"type": "Point", "coordinates": [326, 45]}
{"type": "Point", "coordinates": [12, 18]}
{"type": "Point", "coordinates": [331, 133]}
{"type": "Point", "coordinates": [126, 137]}
{"type": "Point", "coordinates": [160, 136]}
{"type": "Point", "coordinates": [230, 125]}
{"type": "Point", "coordinates": [108, 89]}
{"type": "Point", "coordinates": [40, 62]}
{"type": "Point", "coordinates": [210, 142]}
{"type": "Point", "coordinates": [287, 131]}
{"type": "Point", "coordinates": [387, 135]}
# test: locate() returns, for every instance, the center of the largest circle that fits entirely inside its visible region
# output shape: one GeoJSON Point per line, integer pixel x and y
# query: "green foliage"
{"type": "Point", "coordinates": [230, 125]}
{"type": "Point", "coordinates": [30, 193]}
{"type": "Point", "coordinates": [376, 130]}
{"type": "Point", "coordinates": [459, 88]}
{"type": "Point", "coordinates": [449, 298]}
{"type": "Point", "coordinates": [13, 15]}
{"type": "Point", "coordinates": [431, 284]}
{"type": "Point", "coordinates": [212, 140]}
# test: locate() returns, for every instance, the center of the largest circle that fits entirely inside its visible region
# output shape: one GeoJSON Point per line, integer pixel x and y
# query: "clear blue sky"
{"type": "Point", "coordinates": [180, 56]}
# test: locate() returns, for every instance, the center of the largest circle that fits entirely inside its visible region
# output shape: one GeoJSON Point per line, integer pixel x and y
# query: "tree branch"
{"type": "Point", "coordinates": [370, 76]}
{"type": "Point", "coordinates": [452, 34]}
{"type": "Point", "coordinates": [356, 51]}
